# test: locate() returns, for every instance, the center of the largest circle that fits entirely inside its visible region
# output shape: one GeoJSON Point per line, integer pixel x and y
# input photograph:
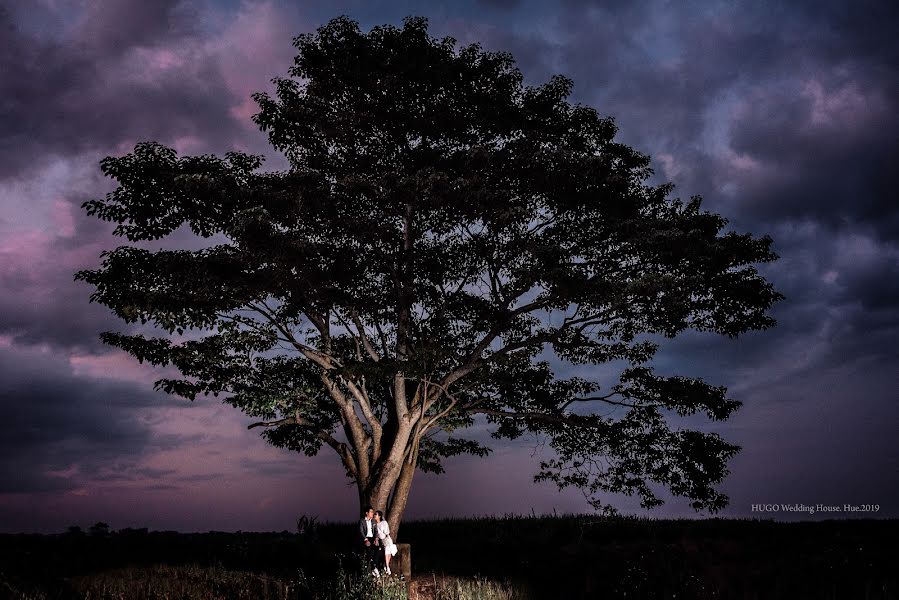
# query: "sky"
{"type": "Point", "coordinates": [784, 116]}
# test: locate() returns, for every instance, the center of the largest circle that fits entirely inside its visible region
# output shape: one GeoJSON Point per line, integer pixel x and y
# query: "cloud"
{"type": "Point", "coordinates": [65, 429]}
{"type": "Point", "coordinates": [132, 71]}
{"type": "Point", "coordinates": [37, 270]}
{"type": "Point", "coordinates": [255, 46]}
{"type": "Point", "coordinates": [800, 135]}
{"type": "Point", "coordinates": [501, 4]}
{"type": "Point", "coordinates": [111, 27]}
{"type": "Point", "coordinates": [126, 71]}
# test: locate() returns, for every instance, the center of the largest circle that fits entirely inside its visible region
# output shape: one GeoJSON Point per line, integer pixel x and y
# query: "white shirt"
{"type": "Point", "coordinates": [368, 525]}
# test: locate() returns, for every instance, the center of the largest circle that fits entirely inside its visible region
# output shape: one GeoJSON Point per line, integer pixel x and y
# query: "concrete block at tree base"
{"type": "Point", "coordinates": [402, 562]}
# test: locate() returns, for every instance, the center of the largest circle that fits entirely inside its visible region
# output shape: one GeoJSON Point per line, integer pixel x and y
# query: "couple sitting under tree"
{"type": "Point", "coordinates": [378, 546]}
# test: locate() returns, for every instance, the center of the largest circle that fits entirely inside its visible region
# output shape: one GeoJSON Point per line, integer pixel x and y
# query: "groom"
{"type": "Point", "coordinates": [372, 549]}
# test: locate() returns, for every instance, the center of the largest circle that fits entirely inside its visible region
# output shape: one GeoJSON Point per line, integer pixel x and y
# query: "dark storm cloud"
{"type": "Point", "coordinates": [122, 72]}
{"type": "Point", "coordinates": [503, 4]}
{"type": "Point", "coordinates": [111, 27]}
{"type": "Point", "coordinates": [64, 431]}
{"type": "Point", "coordinates": [875, 285]}
{"type": "Point", "coordinates": [135, 474]}
{"type": "Point", "coordinates": [814, 102]}
{"type": "Point", "coordinates": [826, 151]}
{"type": "Point", "coordinates": [116, 79]}
{"type": "Point", "coordinates": [41, 303]}
{"type": "Point", "coordinates": [49, 319]}
{"type": "Point", "coordinates": [865, 30]}
{"type": "Point", "coordinates": [198, 478]}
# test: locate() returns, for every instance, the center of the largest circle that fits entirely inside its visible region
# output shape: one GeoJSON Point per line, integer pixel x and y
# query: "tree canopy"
{"type": "Point", "coordinates": [443, 237]}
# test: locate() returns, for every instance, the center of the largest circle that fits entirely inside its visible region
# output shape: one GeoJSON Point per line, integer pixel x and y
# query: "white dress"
{"type": "Point", "coordinates": [384, 536]}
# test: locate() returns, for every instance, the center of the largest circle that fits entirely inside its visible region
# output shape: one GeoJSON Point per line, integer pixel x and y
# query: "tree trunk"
{"type": "Point", "coordinates": [390, 492]}
{"type": "Point", "coordinates": [377, 499]}
{"type": "Point", "coordinates": [401, 494]}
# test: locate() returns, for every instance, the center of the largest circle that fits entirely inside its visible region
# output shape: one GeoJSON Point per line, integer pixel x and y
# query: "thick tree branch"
{"type": "Point", "coordinates": [352, 425]}
{"type": "Point", "coordinates": [328, 362]}
{"type": "Point", "coordinates": [614, 402]}
{"type": "Point", "coordinates": [360, 394]}
{"type": "Point", "coordinates": [341, 448]}
{"type": "Point", "coordinates": [276, 423]}
{"type": "Point", "coordinates": [374, 423]}
{"type": "Point", "coordinates": [385, 348]}
{"type": "Point", "coordinates": [365, 341]}
{"type": "Point", "coordinates": [356, 342]}
{"type": "Point", "coordinates": [475, 359]}
{"type": "Point", "coordinates": [323, 360]}
{"type": "Point", "coordinates": [251, 323]}
{"type": "Point", "coordinates": [426, 404]}
{"type": "Point", "coordinates": [568, 419]}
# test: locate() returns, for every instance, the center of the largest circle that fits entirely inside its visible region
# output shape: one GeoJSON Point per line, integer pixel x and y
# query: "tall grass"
{"type": "Point", "coordinates": [166, 582]}
{"type": "Point", "coordinates": [351, 584]}
{"type": "Point", "coordinates": [459, 588]}
{"type": "Point", "coordinates": [13, 588]}
{"type": "Point", "coordinates": [195, 582]}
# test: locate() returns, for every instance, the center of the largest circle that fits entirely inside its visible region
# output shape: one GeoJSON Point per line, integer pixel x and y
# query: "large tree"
{"type": "Point", "coordinates": [443, 238]}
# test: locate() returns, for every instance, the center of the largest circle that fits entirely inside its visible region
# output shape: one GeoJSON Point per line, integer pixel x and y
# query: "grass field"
{"type": "Point", "coordinates": [503, 558]}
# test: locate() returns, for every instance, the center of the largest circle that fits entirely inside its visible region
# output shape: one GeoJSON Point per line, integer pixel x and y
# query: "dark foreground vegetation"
{"type": "Point", "coordinates": [502, 558]}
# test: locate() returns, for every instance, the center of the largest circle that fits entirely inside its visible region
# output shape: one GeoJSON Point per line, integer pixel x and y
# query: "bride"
{"type": "Point", "coordinates": [383, 532]}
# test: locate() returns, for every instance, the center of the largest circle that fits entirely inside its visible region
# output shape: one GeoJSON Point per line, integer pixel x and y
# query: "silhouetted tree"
{"type": "Point", "coordinates": [439, 228]}
{"type": "Point", "coordinates": [99, 529]}
{"type": "Point", "coordinates": [308, 527]}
